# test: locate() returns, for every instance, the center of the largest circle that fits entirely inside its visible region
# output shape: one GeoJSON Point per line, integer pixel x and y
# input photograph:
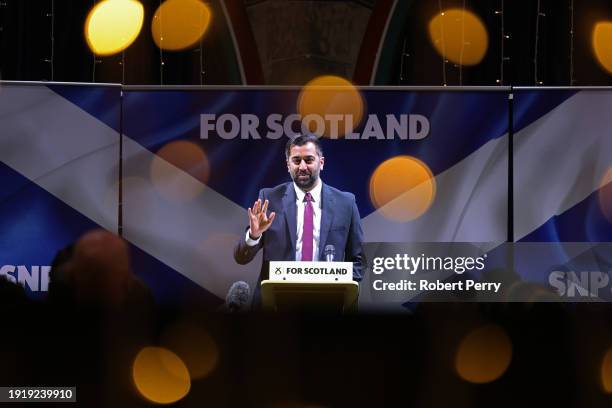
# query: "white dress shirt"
{"type": "Point", "coordinates": [316, 221]}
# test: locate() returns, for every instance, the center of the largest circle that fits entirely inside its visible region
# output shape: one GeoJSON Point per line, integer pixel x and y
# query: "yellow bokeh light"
{"type": "Point", "coordinates": [334, 104]}
{"type": "Point", "coordinates": [160, 375]}
{"type": "Point", "coordinates": [195, 346]}
{"type": "Point", "coordinates": [602, 44]}
{"type": "Point", "coordinates": [484, 355]}
{"type": "Point", "coordinates": [459, 36]}
{"type": "Point", "coordinates": [402, 188]}
{"type": "Point", "coordinates": [112, 25]}
{"type": "Point", "coordinates": [605, 195]}
{"type": "Point", "coordinates": [179, 24]}
{"type": "Point", "coordinates": [176, 185]}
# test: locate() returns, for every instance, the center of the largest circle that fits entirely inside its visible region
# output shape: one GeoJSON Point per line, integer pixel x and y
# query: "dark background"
{"type": "Point", "coordinates": [334, 35]}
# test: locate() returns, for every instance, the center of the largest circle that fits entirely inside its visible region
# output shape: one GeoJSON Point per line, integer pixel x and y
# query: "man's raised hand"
{"type": "Point", "coordinates": [259, 221]}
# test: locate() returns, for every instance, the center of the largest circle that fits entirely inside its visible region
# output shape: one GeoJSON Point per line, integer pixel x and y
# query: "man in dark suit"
{"type": "Point", "coordinates": [306, 216]}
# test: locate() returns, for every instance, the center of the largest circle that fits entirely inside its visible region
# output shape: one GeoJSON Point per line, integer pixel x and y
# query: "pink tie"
{"type": "Point", "coordinates": [308, 227]}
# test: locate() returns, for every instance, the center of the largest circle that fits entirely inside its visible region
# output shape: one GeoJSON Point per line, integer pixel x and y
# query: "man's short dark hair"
{"type": "Point", "coordinates": [301, 140]}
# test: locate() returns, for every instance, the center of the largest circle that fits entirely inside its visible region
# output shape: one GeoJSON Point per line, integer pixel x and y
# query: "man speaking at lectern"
{"type": "Point", "coordinates": [297, 221]}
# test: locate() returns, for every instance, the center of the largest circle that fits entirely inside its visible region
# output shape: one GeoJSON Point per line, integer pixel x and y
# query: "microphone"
{"type": "Point", "coordinates": [237, 296]}
{"type": "Point", "coordinates": [330, 251]}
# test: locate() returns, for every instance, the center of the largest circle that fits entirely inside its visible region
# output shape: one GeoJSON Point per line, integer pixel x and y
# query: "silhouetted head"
{"type": "Point", "coordinates": [99, 269]}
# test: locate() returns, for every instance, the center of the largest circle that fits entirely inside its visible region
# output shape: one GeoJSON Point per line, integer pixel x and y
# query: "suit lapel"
{"type": "Point", "coordinates": [327, 204]}
{"type": "Point", "coordinates": [290, 210]}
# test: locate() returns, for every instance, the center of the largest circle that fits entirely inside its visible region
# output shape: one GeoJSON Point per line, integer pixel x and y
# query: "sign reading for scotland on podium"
{"type": "Point", "coordinates": [310, 286]}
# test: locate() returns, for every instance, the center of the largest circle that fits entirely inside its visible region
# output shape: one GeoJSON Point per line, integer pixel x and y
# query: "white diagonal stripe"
{"type": "Point", "coordinates": [74, 156]}
{"type": "Point", "coordinates": [62, 149]}
{"type": "Point", "coordinates": [470, 204]}
{"type": "Point", "coordinates": [194, 237]}
{"type": "Point", "coordinates": [561, 158]}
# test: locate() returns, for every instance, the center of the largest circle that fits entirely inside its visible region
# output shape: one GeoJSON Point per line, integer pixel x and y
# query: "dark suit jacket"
{"type": "Point", "coordinates": [340, 227]}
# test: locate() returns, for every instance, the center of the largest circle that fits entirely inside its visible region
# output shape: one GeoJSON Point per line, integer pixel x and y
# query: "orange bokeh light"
{"type": "Point", "coordinates": [160, 375]}
{"type": "Point", "coordinates": [484, 355]}
{"type": "Point", "coordinates": [402, 188]}
{"type": "Point", "coordinates": [332, 101]}
{"type": "Point", "coordinates": [606, 371]}
{"type": "Point", "coordinates": [459, 36]}
{"type": "Point", "coordinates": [602, 44]}
{"type": "Point", "coordinates": [179, 24]}
{"type": "Point", "coordinates": [186, 156]}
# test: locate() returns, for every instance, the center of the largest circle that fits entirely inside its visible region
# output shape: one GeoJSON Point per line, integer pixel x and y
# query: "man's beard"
{"type": "Point", "coordinates": [305, 183]}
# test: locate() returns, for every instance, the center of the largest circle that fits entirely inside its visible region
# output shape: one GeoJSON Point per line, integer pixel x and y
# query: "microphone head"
{"type": "Point", "coordinates": [237, 296]}
{"type": "Point", "coordinates": [329, 252]}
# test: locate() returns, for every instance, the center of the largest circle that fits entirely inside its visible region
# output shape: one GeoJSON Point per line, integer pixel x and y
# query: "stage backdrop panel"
{"type": "Point", "coordinates": [59, 172]}
{"type": "Point", "coordinates": [194, 160]}
{"type": "Point", "coordinates": [562, 193]}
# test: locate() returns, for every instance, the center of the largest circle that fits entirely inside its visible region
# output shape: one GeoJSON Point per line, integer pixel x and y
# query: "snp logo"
{"type": "Point", "coordinates": [36, 278]}
{"type": "Point", "coordinates": [582, 284]}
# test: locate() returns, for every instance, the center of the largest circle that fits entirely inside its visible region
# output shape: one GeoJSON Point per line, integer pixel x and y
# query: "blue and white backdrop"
{"type": "Point", "coordinates": [174, 170]}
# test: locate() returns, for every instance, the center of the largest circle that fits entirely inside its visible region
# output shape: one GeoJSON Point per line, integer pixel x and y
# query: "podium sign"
{"type": "Point", "coordinates": [311, 286]}
{"type": "Point", "coordinates": [324, 272]}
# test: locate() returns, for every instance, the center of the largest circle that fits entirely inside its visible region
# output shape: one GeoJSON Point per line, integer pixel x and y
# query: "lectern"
{"type": "Point", "coordinates": [310, 286]}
